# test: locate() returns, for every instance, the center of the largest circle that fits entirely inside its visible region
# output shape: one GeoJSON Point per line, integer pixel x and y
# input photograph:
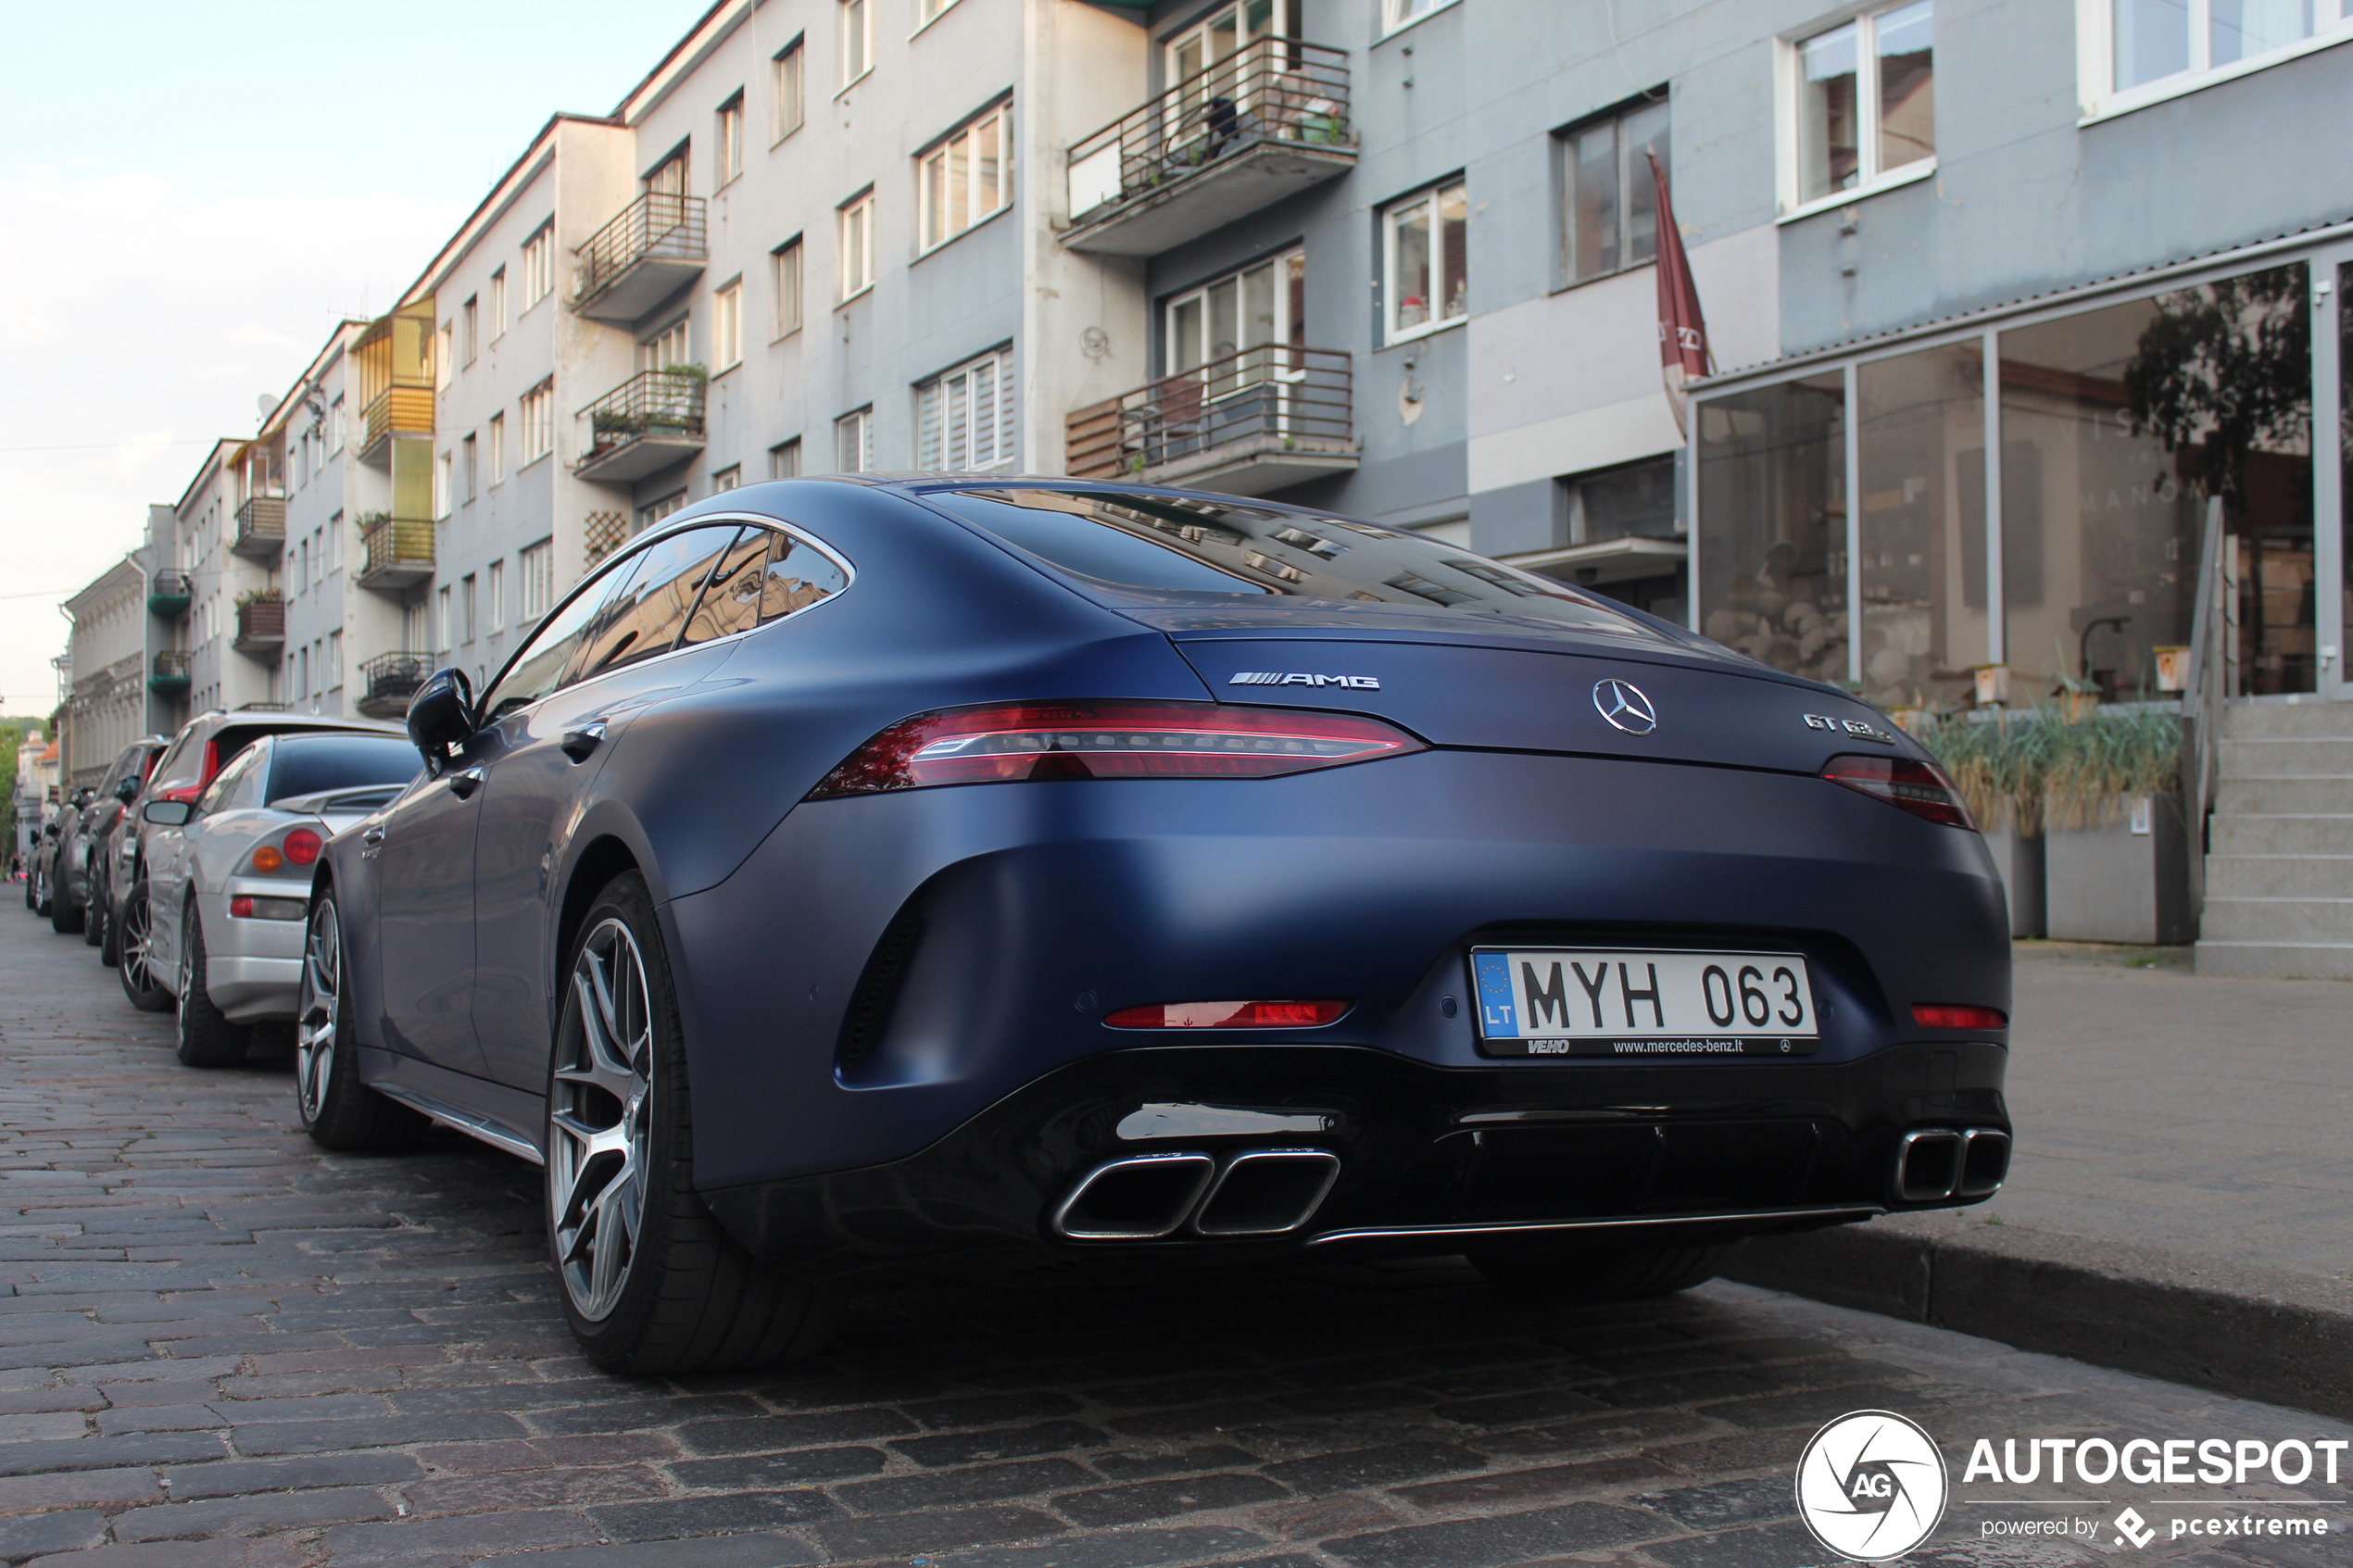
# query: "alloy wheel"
{"type": "Point", "coordinates": [315, 1011]}
{"type": "Point", "coordinates": [599, 1117]}
{"type": "Point", "coordinates": [138, 951]}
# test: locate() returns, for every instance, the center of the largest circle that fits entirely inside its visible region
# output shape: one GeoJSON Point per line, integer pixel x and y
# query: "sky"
{"type": "Point", "coordinates": [191, 197]}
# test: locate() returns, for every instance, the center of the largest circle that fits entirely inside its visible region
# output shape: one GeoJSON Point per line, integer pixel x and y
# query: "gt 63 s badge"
{"type": "Point", "coordinates": [1872, 1486]}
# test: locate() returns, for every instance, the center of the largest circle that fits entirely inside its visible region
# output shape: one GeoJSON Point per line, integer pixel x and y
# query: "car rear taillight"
{"type": "Point", "coordinates": [1937, 1015]}
{"type": "Point", "coordinates": [296, 846]}
{"type": "Point", "coordinates": [245, 907]}
{"type": "Point", "coordinates": [1228, 1015]}
{"type": "Point", "coordinates": [302, 846]}
{"type": "Point", "coordinates": [183, 794]}
{"type": "Point", "coordinates": [1921, 788]}
{"type": "Point", "coordinates": [1002, 744]}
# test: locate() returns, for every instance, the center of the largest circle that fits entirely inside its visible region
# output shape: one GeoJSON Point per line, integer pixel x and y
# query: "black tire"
{"type": "Point", "coordinates": [110, 935]}
{"type": "Point", "coordinates": [207, 1037]}
{"type": "Point", "coordinates": [1598, 1271]}
{"type": "Point", "coordinates": [39, 898]}
{"type": "Point", "coordinates": [65, 915]}
{"type": "Point", "coordinates": [94, 916]}
{"type": "Point", "coordinates": [673, 1292]}
{"type": "Point", "coordinates": [336, 1108]}
{"type": "Point", "coordinates": [136, 953]}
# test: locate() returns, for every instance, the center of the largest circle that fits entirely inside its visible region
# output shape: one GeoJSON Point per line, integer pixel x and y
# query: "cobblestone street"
{"type": "Point", "coordinates": [220, 1345]}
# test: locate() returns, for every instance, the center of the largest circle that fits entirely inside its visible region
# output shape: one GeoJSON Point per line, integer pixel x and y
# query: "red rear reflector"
{"type": "Point", "coordinates": [1228, 1015]}
{"type": "Point", "coordinates": [1933, 1015]}
{"type": "Point", "coordinates": [241, 908]}
{"type": "Point", "coordinates": [1107, 740]}
{"type": "Point", "coordinates": [1921, 788]}
{"type": "Point", "coordinates": [302, 846]}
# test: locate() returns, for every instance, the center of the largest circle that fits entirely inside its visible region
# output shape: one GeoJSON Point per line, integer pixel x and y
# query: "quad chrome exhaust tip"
{"type": "Point", "coordinates": [1256, 1192]}
{"type": "Point", "coordinates": [1935, 1164]}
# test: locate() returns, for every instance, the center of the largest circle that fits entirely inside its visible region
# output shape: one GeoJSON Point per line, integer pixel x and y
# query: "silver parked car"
{"type": "Point", "coordinates": [228, 880]}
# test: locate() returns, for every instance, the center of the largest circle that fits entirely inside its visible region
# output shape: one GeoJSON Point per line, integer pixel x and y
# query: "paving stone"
{"type": "Point", "coordinates": [766, 1433]}
{"type": "Point", "coordinates": [67, 1529]}
{"type": "Point", "coordinates": [250, 1515]}
{"type": "Point", "coordinates": [948, 1488]}
{"type": "Point", "coordinates": [469, 1535]}
{"type": "Point", "coordinates": [906, 1535]}
{"type": "Point", "coordinates": [1381, 1466]}
{"type": "Point", "coordinates": [705, 1551]}
{"type": "Point", "coordinates": [798, 1468]}
{"type": "Point", "coordinates": [1143, 1467]}
{"type": "Point", "coordinates": [1500, 1538]}
{"type": "Point", "coordinates": [1158, 1499]}
{"type": "Point", "coordinates": [712, 1515]}
{"type": "Point", "coordinates": [1550, 1483]}
{"type": "Point", "coordinates": [1008, 1442]}
{"type": "Point", "coordinates": [229, 1477]}
{"type": "Point", "coordinates": [1130, 1548]}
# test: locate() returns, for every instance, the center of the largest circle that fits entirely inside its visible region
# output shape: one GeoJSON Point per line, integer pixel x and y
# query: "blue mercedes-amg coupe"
{"type": "Point", "coordinates": [858, 868]}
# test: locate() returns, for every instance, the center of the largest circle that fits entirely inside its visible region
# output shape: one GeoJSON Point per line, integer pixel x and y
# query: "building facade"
{"type": "Point", "coordinates": [106, 672]}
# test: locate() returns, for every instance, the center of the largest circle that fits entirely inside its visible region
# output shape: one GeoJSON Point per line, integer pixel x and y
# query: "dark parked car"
{"type": "Point", "coordinates": [855, 870]}
{"type": "Point", "coordinates": [87, 832]}
{"type": "Point", "coordinates": [204, 745]}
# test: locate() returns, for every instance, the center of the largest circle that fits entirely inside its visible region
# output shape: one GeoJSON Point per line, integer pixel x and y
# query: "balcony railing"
{"type": "Point", "coordinates": [168, 593]}
{"type": "Point", "coordinates": [398, 553]}
{"type": "Point", "coordinates": [1268, 120]}
{"type": "Point", "coordinates": [389, 680]}
{"type": "Point", "coordinates": [401, 410]}
{"type": "Point", "coordinates": [1247, 423]}
{"type": "Point", "coordinates": [640, 259]}
{"type": "Point", "coordinates": [647, 422]}
{"type": "Point", "coordinates": [261, 626]}
{"type": "Point", "coordinates": [261, 527]}
{"type": "Point", "coordinates": [171, 671]}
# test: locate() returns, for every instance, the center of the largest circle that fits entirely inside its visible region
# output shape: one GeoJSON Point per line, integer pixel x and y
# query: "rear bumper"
{"type": "Point", "coordinates": [251, 966]}
{"type": "Point", "coordinates": [1430, 1160]}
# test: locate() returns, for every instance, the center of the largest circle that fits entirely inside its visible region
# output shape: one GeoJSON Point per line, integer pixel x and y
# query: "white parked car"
{"type": "Point", "coordinates": [228, 884]}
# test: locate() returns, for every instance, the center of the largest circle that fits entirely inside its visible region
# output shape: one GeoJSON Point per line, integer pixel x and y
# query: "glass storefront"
{"type": "Point", "coordinates": [2122, 430]}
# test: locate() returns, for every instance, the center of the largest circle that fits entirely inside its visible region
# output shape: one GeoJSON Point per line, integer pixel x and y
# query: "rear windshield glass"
{"type": "Point", "coordinates": [1169, 545]}
{"type": "Point", "coordinates": [308, 764]}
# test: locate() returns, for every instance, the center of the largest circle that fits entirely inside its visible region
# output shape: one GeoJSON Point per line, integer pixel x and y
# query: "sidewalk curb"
{"type": "Point", "coordinates": [2239, 1329]}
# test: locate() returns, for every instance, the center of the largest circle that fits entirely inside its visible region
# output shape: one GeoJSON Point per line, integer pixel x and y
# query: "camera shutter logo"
{"type": "Point", "coordinates": [1872, 1486]}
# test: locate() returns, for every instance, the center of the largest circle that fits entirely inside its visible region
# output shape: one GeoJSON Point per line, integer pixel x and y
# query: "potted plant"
{"type": "Point", "coordinates": [2000, 764]}
{"type": "Point", "coordinates": [2117, 861]}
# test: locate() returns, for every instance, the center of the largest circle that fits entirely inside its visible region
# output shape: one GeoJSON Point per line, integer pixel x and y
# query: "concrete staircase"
{"type": "Point", "coordinates": [2279, 881]}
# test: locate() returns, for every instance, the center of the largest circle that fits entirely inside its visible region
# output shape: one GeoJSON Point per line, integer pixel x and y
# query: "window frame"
{"type": "Point", "coordinates": [938, 8]}
{"type": "Point", "coordinates": [727, 136]}
{"type": "Point", "coordinates": [496, 579]}
{"type": "Point", "coordinates": [498, 302]}
{"type": "Point", "coordinates": [498, 427]}
{"type": "Point", "coordinates": [727, 326]}
{"type": "Point", "coordinates": [940, 148]}
{"type": "Point", "coordinates": [1004, 431]}
{"type": "Point", "coordinates": [857, 211]}
{"type": "Point", "coordinates": [538, 411]}
{"type": "Point", "coordinates": [861, 33]}
{"type": "Point", "coordinates": [2099, 98]}
{"type": "Point", "coordinates": [1393, 20]}
{"type": "Point", "coordinates": [864, 419]}
{"type": "Point", "coordinates": [1429, 197]}
{"type": "Point", "coordinates": [1565, 140]}
{"type": "Point", "coordinates": [1790, 88]}
{"type": "Point", "coordinates": [788, 264]}
{"type": "Point", "coordinates": [536, 564]}
{"type": "Point", "coordinates": [539, 266]}
{"type": "Point", "coordinates": [778, 456]}
{"type": "Point", "coordinates": [788, 89]}
{"type": "Point", "coordinates": [469, 316]}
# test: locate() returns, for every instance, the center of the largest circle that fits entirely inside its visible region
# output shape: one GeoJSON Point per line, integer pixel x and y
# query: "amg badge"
{"type": "Point", "coordinates": [1277, 678]}
{"type": "Point", "coordinates": [1847, 727]}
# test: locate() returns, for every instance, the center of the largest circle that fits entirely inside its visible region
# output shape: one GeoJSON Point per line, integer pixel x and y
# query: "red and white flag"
{"type": "Point", "coordinates": [1682, 335]}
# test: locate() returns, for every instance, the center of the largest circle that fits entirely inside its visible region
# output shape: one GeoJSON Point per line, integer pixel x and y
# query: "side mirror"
{"type": "Point", "coordinates": [441, 715]}
{"type": "Point", "coordinates": [127, 791]}
{"type": "Point", "coordinates": [167, 813]}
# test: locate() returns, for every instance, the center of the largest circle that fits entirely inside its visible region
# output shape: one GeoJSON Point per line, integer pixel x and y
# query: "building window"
{"type": "Point", "coordinates": [441, 622]}
{"type": "Point", "coordinates": [783, 459]}
{"type": "Point", "coordinates": [666, 507]}
{"type": "Point", "coordinates": [857, 40]}
{"type": "Point", "coordinates": [666, 347]}
{"type": "Point", "coordinates": [927, 10]}
{"type": "Point", "coordinates": [469, 468]}
{"type": "Point", "coordinates": [498, 447]}
{"type": "Point", "coordinates": [784, 268]}
{"type": "Point", "coordinates": [1865, 104]}
{"type": "Point", "coordinates": [539, 422]}
{"type": "Point", "coordinates": [963, 179]}
{"type": "Point", "coordinates": [2151, 49]}
{"type": "Point", "coordinates": [441, 485]}
{"type": "Point", "coordinates": [1224, 328]}
{"type": "Point", "coordinates": [964, 419]}
{"type": "Point", "coordinates": [537, 568]}
{"type": "Point", "coordinates": [335, 424]}
{"type": "Point", "coordinates": [538, 265]}
{"type": "Point", "coordinates": [1633, 500]}
{"type": "Point", "coordinates": [1397, 13]}
{"type": "Point", "coordinates": [791, 103]}
{"type": "Point", "coordinates": [731, 141]}
{"type": "Point", "coordinates": [334, 661]}
{"type": "Point", "coordinates": [858, 246]}
{"type": "Point", "coordinates": [466, 603]}
{"type": "Point", "coordinates": [1428, 252]}
{"type": "Point", "coordinates": [727, 477]}
{"type": "Point", "coordinates": [498, 595]}
{"type": "Point", "coordinates": [668, 177]}
{"type": "Point", "coordinates": [1609, 203]}
{"type": "Point", "coordinates": [444, 362]}
{"type": "Point", "coordinates": [854, 443]}
{"type": "Point", "coordinates": [727, 326]}
{"type": "Point", "coordinates": [470, 315]}
{"type": "Point", "coordinates": [498, 304]}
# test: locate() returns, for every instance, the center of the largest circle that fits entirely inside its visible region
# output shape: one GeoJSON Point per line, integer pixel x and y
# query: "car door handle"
{"type": "Point", "coordinates": [372, 842]}
{"type": "Point", "coordinates": [463, 784]}
{"type": "Point", "coordinates": [577, 744]}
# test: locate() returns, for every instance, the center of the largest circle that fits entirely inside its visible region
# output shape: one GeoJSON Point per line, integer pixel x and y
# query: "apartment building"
{"type": "Point", "coordinates": [105, 670]}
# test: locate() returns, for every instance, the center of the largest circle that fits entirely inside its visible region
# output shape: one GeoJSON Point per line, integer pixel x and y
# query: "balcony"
{"type": "Point", "coordinates": [398, 553]}
{"type": "Point", "coordinates": [395, 356]}
{"type": "Point", "coordinates": [647, 422]}
{"type": "Point", "coordinates": [170, 676]}
{"type": "Point", "coordinates": [1247, 424]}
{"type": "Point", "coordinates": [261, 627]}
{"type": "Point", "coordinates": [167, 595]}
{"type": "Point", "coordinates": [389, 680]}
{"type": "Point", "coordinates": [261, 527]}
{"type": "Point", "coordinates": [656, 247]}
{"type": "Point", "coordinates": [1264, 123]}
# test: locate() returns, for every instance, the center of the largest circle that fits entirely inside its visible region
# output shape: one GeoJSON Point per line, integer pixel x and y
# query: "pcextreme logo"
{"type": "Point", "coordinates": [1872, 1486]}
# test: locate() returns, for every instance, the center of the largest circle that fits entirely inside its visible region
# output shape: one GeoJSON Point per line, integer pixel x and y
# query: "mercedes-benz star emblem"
{"type": "Point", "coordinates": [1623, 703]}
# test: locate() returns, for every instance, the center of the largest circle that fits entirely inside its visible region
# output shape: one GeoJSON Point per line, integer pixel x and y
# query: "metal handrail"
{"type": "Point", "coordinates": [658, 224]}
{"type": "Point", "coordinates": [171, 664]}
{"type": "Point", "coordinates": [649, 403]}
{"type": "Point", "coordinates": [397, 540]}
{"type": "Point", "coordinates": [262, 517]}
{"type": "Point", "coordinates": [1270, 90]}
{"type": "Point", "coordinates": [261, 618]}
{"type": "Point", "coordinates": [394, 674]}
{"type": "Point", "coordinates": [171, 586]}
{"type": "Point", "coordinates": [2205, 690]}
{"type": "Point", "coordinates": [1271, 394]}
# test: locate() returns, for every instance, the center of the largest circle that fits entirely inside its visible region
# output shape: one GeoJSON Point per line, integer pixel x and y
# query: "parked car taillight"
{"type": "Point", "coordinates": [1921, 788]}
{"type": "Point", "coordinates": [1229, 1015]}
{"type": "Point", "coordinates": [302, 846]}
{"type": "Point", "coordinates": [297, 846]}
{"type": "Point", "coordinates": [1006, 743]}
{"type": "Point", "coordinates": [1944, 1015]}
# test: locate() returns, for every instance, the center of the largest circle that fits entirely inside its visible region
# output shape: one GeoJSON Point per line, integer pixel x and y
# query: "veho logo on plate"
{"type": "Point", "coordinates": [1872, 1486]}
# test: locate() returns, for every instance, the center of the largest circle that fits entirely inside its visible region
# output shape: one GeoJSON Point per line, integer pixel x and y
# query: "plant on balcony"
{"type": "Point", "coordinates": [260, 597]}
{"type": "Point", "coordinates": [611, 425]}
{"type": "Point", "coordinates": [372, 519]}
{"type": "Point", "coordinates": [691, 371]}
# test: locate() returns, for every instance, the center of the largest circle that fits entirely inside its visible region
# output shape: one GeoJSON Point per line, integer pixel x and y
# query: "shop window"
{"type": "Point", "coordinates": [1921, 422]}
{"type": "Point", "coordinates": [1772, 516]}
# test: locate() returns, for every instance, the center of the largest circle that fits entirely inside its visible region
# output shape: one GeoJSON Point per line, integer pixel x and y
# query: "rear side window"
{"type": "Point", "coordinates": [179, 764]}
{"type": "Point", "coordinates": [799, 575]}
{"type": "Point", "coordinates": [539, 668]}
{"type": "Point", "coordinates": [645, 617]}
{"type": "Point", "coordinates": [731, 599]}
{"type": "Point", "coordinates": [309, 764]}
{"type": "Point", "coordinates": [1191, 545]}
{"type": "Point", "coordinates": [226, 788]}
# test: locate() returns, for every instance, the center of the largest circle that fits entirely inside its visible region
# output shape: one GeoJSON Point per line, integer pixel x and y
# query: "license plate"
{"type": "Point", "coordinates": [1562, 1001]}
